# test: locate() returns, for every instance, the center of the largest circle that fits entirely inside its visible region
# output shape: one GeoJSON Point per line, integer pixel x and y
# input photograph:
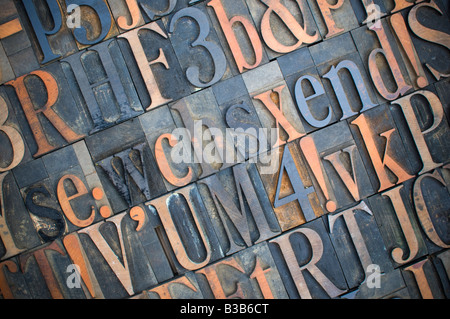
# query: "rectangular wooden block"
{"type": "Point", "coordinates": [290, 189]}
{"type": "Point", "coordinates": [238, 207]}
{"type": "Point", "coordinates": [249, 274]}
{"type": "Point", "coordinates": [338, 166]}
{"type": "Point", "coordinates": [203, 62]}
{"type": "Point", "coordinates": [13, 281]}
{"type": "Point", "coordinates": [306, 254]}
{"type": "Point", "coordinates": [358, 243]}
{"type": "Point", "coordinates": [184, 287]}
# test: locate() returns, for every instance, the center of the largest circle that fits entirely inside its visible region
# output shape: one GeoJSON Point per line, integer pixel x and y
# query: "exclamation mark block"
{"type": "Point", "coordinates": [312, 157]}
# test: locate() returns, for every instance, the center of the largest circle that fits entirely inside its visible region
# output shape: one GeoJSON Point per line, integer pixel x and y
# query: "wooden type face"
{"type": "Point", "coordinates": [289, 186]}
{"type": "Point", "coordinates": [49, 34]}
{"type": "Point", "coordinates": [197, 47]}
{"type": "Point", "coordinates": [308, 263]}
{"type": "Point", "coordinates": [100, 81]}
{"type": "Point", "coordinates": [358, 243]}
{"type": "Point", "coordinates": [250, 273]}
{"type": "Point", "coordinates": [333, 19]}
{"type": "Point", "coordinates": [48, 116]}
{"type": "Point", "coordinates": [238, 34]}
{"type": "Point", "coordinates": [337, 165]}
{"type": "Point", "coordinates": [273, 104]}
{"type": "Point", "coordinates": [186, 229]}
{"type": "Point", "coordinates": [162, 77]}
{"type": "Point", "coordinates": [238, 207]}
{"type": "Point", "coordinates": [284, 25]}
{"type": "Point", "coordinates": [184, 287]}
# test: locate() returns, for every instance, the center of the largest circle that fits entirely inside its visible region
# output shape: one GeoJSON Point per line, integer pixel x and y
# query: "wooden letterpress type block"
{"type": "Point", "coordinates": [161, 132]}
{"type": "Point", "coordinates": [93, 23]}
{"type": "Point", "coordinates": [212, 143]}
{"type": "Point", "coordinates": [358, 243]}
{"type": "Point", "coordinates": [45, 269]}
{"type": "Point", "coordinates": [18, 232]}
{"type": "Point", "coordinates": [337, 166]}
{"type": "Point", "coordinates": [240, 115]}
{"type": "Point", "coordinates": [187, 232]}
{"type": "Point", "coordinates": [378, 139]}
{"type": "Point", "coordinates": [284, 25]}
{"type": "Point", "coordinates": [289, 186]}
{"type": "Point", "coordinates": [383, 60]}
{"type": "Point", "coordinates": [48, 116]}
{"type": "Point", "coordinates": [398, 225]}
{"type": "Point", "coordinates": [306, 89]}
{"type": "Point", "coordinates": [442, 264]}
{"type": "Point", "coordinates": [426, 137]}
{"type": "Point", "coordinates": [12, 281]}
{"type": "Point", "coordinates": [197, 46]}
{"type": "Point", "coordinates": [333, 19]}
{"type": "Point", "coordinates": [6, 71]}
{"type": "Point", "coordinates": [238, 207]}
{"type": "Point", "coordinates": [118, 257]}
{"type": "Point", "coordinates": [422, 280]}
{"type": "Point", "coordinates": [307, 262]}
{"type": "Point", "coordinates": [443, 91]}
{"type": "Point", "coordinates": [46, 26]}
{"type": "Point", "coordinates": [157, 64]}
{"type": "Point", "coordinates": [13, 148]}
{"type": "Point", "coordinates": [238, 34]}
{"type": "Point", "coordinates": [349, 87]}
{"type": "Point", "coordinates": [249, 274]}
{"type": "Point", "coordinates": [184, 287]}
{"type": "Point", "coordinates": [100, 81]}
{"type": "Point", "coordinates": [125, 165]}
{"type": "Point", "coordinates": [431, 201]}
{"type": "Point", "coordinates": [44, 210]}
{"type": "Point", "coordinates": [273, 103]}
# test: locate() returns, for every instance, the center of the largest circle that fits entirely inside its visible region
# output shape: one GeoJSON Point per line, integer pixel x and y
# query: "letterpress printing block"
{"type": "Point", "coordinates": [95, 22]}
{"type": "Point", "coordinates": [306, 89]}
{"type": "Point", "coordinates": [12, 281]}
{"type": "Point", "coordinates": [350, 89]}
{"type": "Point", "coordinates": [18, 232]}
{"type": "Point", "coordinates": [307, 262]}
{"type": "Point", "coordinates": [273, 103]}
{"type": "Point", "coordinates": [186, 229]}
{"type": "Point", "coordinates": [398, 225]}
{"type": "Point", "coordinates": [173, 155]}
{"type": "Point", "coordinates": [45, 271]}
{"type": "Point", "coordinates": [442, 264]}
{"type": "Point", "coordinates": [240, 116]}
{"type": "Point", "coordinates": [432, 203]}
{"type": "Point", "coordinates": [378, 139]}
{"type": "Point", "coordinates": [157, 63]}
{"type": "Point", "coordinates": [358, 243]}
{"type": "Point", "coordinates": [212, 144]}
{"type": "Point", "coordinates": [238, 34]}
{"type": "Point", "coordinates": [426, 136]}
{"type": "Point", "coordinates": [423, 281]}
{"type": "Point", "coordinates": [45, 24]}
{"type": "Point", "coordinates": [289, 186]}
{"type": "Point", "coordinates": [100, 81]}
{"type": "Point", "coordinates": [249, 274]}
{"type": "Point", "coordinates": [197, 46]}
{"type": "Point", "coordinates": [6, 71]}
{"type": "Point", "coordinates": [284, 25]}
{"type": "Point", "coordinates": [44, 209]}
{"type": "Point", "coordinates": [13, 148]}
{"type": "Point", "coordinates": [443, 91]}
{"type": "Point", "coordinates": [57, 121]}
{"type": "Point", "coordinates": [238, 207]}
{"type": "Point", "coordinates": [333, 18]}
{"type": "Point", "coordinates": [184, 287]}
{"type": "Point", "coordinates": [383, 60]}
{"type": "Point", "coordinates": [337, 166]}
